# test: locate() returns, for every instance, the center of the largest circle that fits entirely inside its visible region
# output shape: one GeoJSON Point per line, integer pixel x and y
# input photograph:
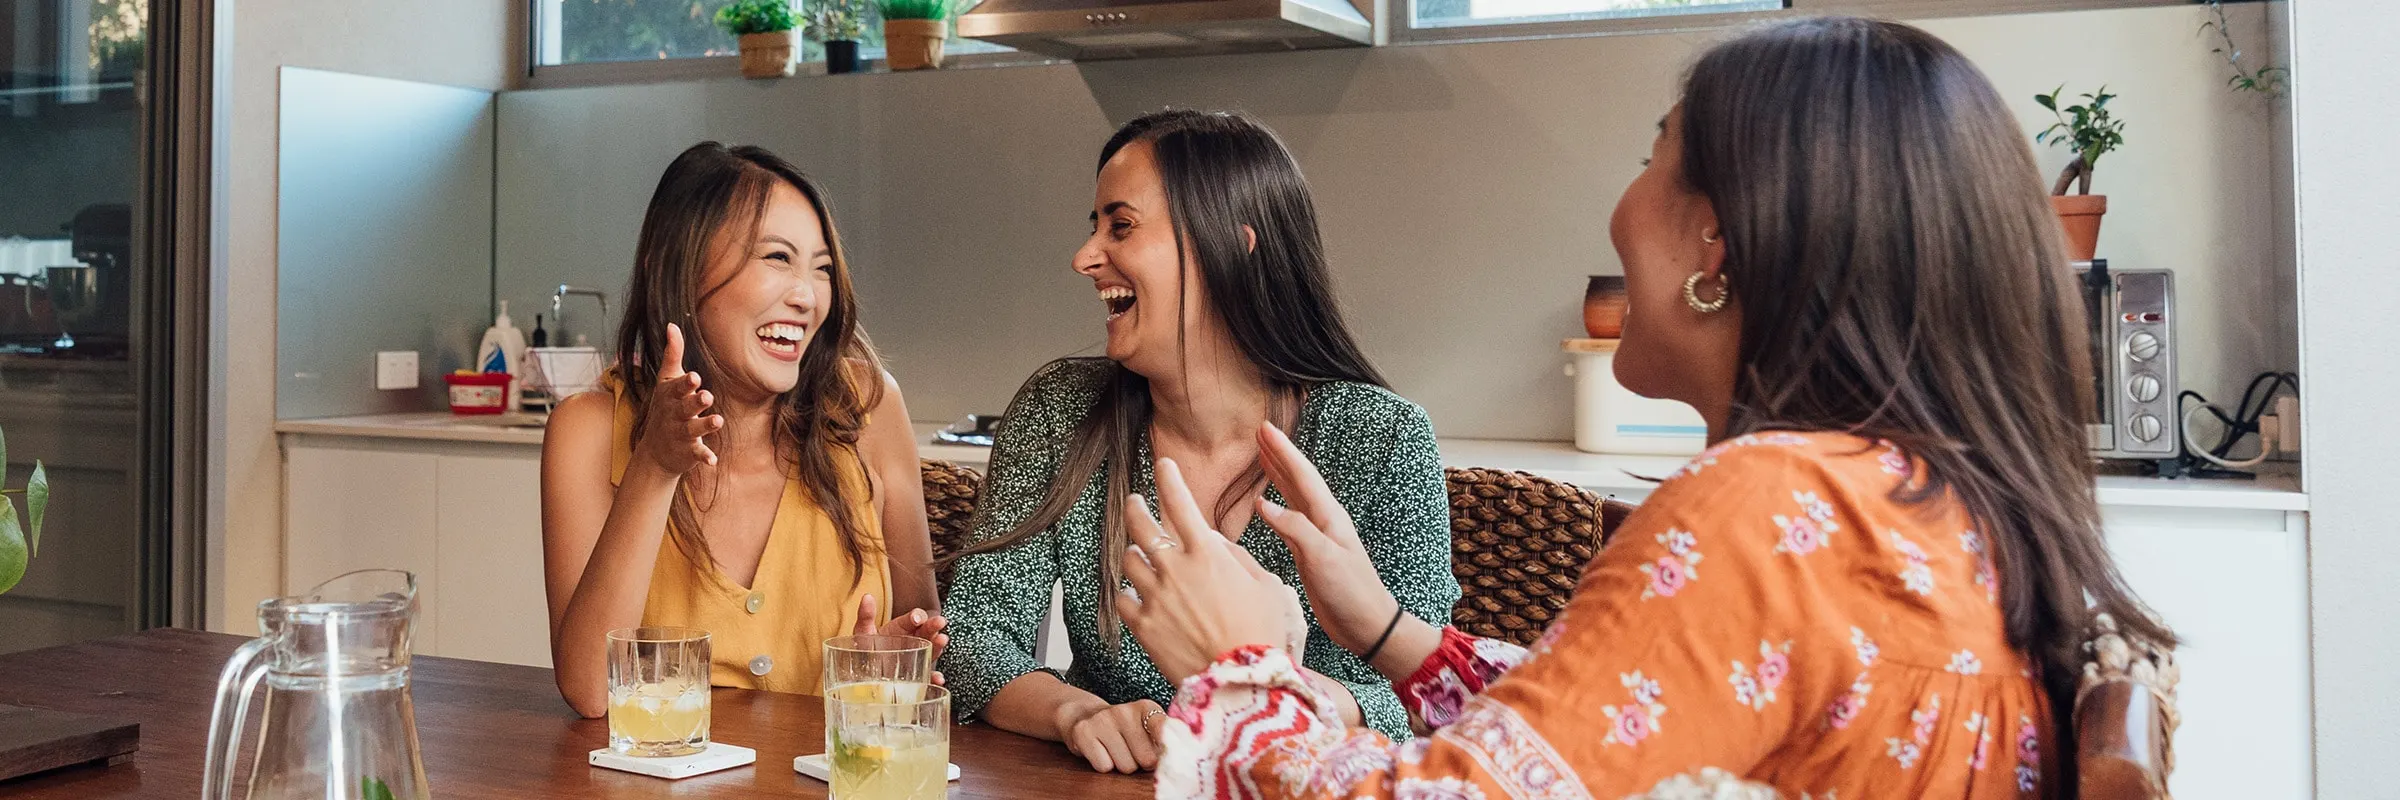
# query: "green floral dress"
{"type": "Point", "coordinates": [1375, 449]}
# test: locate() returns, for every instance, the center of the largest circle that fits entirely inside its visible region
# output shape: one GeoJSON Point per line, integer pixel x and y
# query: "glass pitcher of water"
{"type": "Point", "coordinates": [336, 720]}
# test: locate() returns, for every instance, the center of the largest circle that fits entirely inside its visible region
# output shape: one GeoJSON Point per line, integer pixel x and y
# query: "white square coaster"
{"type": "Point", "coordinates": [718, 756]}
{"type": "Point", "coordinates": [818, 767]}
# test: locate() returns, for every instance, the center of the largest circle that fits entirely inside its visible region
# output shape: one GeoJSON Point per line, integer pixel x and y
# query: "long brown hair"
{"type": "Point", "coordinates": [708, 203]}
{"type": "Point", "coordinates": [1900, 276]}
{"type": "Point", "coordinates": [1222, 171]}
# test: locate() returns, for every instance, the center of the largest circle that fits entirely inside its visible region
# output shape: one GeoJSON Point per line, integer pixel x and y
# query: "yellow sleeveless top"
{"type": "Point", "coordinates": [770, 635]}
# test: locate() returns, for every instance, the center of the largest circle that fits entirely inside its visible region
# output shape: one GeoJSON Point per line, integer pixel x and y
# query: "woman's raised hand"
{"type": "Point", "coordinates": [672, 433]}
{"type": "Point", "coordinates": [1343, 587]}
{"type": "Point", "coordinates": [1196, 594]}
{"type": "Point", "coordinates": [926, 625]}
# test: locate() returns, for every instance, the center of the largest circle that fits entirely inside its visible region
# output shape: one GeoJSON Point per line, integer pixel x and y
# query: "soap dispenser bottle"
{"type": "Point", "coordinates": [503, 350]}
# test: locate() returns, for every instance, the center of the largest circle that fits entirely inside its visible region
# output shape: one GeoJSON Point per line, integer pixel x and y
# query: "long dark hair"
{"type": "Point", "coordinates": [706, 209]}
{"type": "Point", "coordinates": [1222, 171]}
{"type": "Point", "coordinates": [1900, 276]}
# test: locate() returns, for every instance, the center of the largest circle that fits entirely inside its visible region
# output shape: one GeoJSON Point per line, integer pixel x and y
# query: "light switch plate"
{"type": "Point", "coordinates": [396, 369]}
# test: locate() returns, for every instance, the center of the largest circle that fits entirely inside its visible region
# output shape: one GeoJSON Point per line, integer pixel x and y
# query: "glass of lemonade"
{"type": "Point", "coordinates": [866, 659]}
{"type": "Point", "coordinates": [658, 691]}
{"type": "Point", "coordinates": [889, 740]}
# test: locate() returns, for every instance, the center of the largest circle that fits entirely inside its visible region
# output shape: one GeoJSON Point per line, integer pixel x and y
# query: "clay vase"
{"type": "Point", "coordinates": [1604, 306]}
{"type": "Point", "coordinates": [914, 43]}
{"type": "Point", "coordinates": [2079, 215]}
{"type": "Point", "coordinates": [769, 55]}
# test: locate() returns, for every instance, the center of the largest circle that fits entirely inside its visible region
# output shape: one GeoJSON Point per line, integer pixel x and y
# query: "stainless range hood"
{"type": "Point", "coordinates": [1094, 30]}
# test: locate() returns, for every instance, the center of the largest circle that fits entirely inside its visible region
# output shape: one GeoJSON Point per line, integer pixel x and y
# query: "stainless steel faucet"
{"type": "Point", "coordinates": [558, 313]}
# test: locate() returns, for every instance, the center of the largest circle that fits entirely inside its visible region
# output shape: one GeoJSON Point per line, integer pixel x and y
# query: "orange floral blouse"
{"type": "Point", "coordinates": [1770, 612]}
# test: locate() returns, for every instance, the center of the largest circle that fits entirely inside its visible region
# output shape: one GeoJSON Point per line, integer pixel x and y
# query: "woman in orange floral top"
{"type": "Point", "coordinates": [1871, 585]}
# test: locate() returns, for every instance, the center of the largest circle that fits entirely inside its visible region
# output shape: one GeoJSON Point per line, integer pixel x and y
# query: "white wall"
{"type": "Point", "coordinates": [456, 42]}
{"type": "Point", "coordinates": [1464, 190]}
{"type": "Point", "coordinates": [2344, 91]}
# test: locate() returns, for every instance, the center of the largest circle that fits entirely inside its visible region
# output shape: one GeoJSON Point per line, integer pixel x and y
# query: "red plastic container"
{"type": "Point", "coordinates": [480, 393]}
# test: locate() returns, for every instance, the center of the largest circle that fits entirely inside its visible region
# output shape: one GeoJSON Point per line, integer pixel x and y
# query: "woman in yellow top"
{"type": "Point", "coordinates": [777, 507]}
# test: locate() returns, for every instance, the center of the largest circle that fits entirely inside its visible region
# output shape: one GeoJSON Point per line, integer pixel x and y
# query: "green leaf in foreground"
{"type": "Point", "coordinates": [374, 789]}
{"type": "Point", "coordinates": [12, 547]}
{"type": "Point", "coordinates": [37, 500]}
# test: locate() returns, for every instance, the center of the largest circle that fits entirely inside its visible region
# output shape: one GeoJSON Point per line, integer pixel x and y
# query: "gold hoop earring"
{"type": "Point", "coordinates": [1691, 293]}
{"type": "Point", "coordinates": [1708, 239]}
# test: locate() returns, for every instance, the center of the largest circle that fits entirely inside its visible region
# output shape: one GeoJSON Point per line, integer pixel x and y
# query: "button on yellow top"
{"type": "Point", "coordinates": [755, 600]}
{"type": "Point", "coordinates": [762, 664]}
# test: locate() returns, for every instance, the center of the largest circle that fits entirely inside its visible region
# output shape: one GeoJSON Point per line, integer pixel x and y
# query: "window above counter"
{"type": "Point", "coordinates": [597, 42]}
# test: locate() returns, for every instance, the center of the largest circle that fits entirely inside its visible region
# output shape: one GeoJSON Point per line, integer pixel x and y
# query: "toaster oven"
{"type": "Point", "coordinates": [2131, 317]}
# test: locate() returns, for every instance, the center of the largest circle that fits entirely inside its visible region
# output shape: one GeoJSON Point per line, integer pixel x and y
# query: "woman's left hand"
{"type": "Point", "coordinates": [1196, 594]}
{"type": "Point", "coordinates": [926, 625]}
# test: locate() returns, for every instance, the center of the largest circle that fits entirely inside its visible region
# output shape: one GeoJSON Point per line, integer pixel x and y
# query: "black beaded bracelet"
{"type": "Point", "coordinates": [1369, 656]}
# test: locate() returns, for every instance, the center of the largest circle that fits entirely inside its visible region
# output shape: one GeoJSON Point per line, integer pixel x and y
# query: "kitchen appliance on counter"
{"type": "Point", "coordinates": [2130, 315]}
{"type": "Point", "coordinates": [1610, 418]}
{"type": "Point", "coordinates": [77, 309]}
{"type": "Point", "coordinates": [976, 430]}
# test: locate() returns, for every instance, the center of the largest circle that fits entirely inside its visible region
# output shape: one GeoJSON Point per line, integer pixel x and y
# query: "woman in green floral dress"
{"type": "Point", "coordinates": [1220, 318]}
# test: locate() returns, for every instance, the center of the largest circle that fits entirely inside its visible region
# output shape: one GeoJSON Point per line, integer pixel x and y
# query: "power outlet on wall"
{"type": "Point", "coordinates": [396, 369]}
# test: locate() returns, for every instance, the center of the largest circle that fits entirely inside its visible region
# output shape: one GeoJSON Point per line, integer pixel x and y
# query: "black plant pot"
{"type": "Point", "coordinates": [841, 57]}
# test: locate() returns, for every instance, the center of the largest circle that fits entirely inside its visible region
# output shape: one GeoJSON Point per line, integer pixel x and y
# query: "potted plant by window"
{"type": "Point", "coordinates": [913, 33]}
{"type": "Point", "coordinates": [836, 24]}
{"type": "Point", "coordinates": [765, 28]}
{"type": "Point", "coordinates": [2087, 129]}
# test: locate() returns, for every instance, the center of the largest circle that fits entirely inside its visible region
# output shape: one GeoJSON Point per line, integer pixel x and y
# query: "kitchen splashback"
{"type": "Point", "coordinates": [1464, 192]}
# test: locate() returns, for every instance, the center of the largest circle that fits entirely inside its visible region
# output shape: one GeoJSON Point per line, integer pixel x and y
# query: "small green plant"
{"type": "Point", "coordinates": [2085, 128]}
{"type": "Point", "coordinates": [17, 548]}
{"type": "Point", "coordinates": [745, 17]}
{"type": "Point", "coordinates": [375, 789]}
{"type": "Point", "coordinates": [836, 21]}
{"type": "Point", "coordinates": [2267, 79]}
{"type": "Point", "coordinates": [918, 9]}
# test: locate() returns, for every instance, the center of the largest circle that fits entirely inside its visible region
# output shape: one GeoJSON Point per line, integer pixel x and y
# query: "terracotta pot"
{"type": "Point", "coordinates": [1604, 306]}
{"type": "Point", "coordinates": [2079, 215]}
{"type": "Point", "coordinates": [769, 55]}
{"type": "Point", "coordinates": [914, 43]}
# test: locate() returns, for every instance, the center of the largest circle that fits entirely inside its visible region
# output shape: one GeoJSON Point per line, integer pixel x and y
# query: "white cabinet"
{"type": "Point", "coordinates": [466, 518]}
{"type": "Point", "coordinates": [348, 510]}
{"type": "Point", "coordinates": [2234, 585]}
{"type": "Point", "coordinates": [488, 552]}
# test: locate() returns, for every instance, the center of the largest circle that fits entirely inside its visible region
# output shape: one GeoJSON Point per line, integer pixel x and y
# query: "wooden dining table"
{"type": "Point", "coordinates": [486, 730]}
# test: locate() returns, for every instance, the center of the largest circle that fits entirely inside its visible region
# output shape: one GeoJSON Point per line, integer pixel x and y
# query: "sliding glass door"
{"type": "Point", "coordinates": [86, 316]}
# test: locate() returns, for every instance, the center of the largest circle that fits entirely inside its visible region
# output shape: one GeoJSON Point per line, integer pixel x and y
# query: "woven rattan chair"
{"type": "Point", "coordinates": [950, 493]}
{"type": "Point", "coordinates": [2125, 717]}
{"type": "Point", "coordinates": [1519, 543]}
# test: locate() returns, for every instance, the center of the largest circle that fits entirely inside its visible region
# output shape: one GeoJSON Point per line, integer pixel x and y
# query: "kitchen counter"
{"type": "Point", "coordinates": [526, 429]}
{"type": "Point", "coordinates": [1606, 474]}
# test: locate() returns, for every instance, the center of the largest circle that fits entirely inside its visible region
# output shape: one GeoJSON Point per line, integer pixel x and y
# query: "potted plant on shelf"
{"type": "Point", "coordinates": [2088, 130]}
{"type": "Point", "coordinates": [836, 24]}
{"type": "Point", "coordinates": [913, 33]}
{"type": "Point", "coordinates": [765, 28]}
